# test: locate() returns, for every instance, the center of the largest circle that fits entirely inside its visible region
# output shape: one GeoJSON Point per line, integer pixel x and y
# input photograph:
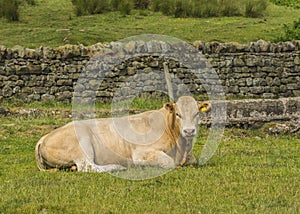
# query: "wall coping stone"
{"type": "Point", "coordinates": [70, 51]}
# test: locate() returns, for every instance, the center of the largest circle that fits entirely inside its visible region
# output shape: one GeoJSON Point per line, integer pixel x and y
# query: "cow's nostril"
{"type": "Point", "coordinates": [189, 131]}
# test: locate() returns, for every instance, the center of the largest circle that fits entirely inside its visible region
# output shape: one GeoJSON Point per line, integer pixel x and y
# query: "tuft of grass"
{"type": "Point", "coordinates": [291, 32]}
{"type": "Point", "coordinates": [90, 7]}
{"type": "Point", "coordinates": [288, 3]}
{"type": "Point", "coordinates": [255, 8]}
{"type": "Point", "coordinates": [125, 7]}
{"type": "Point", "coordinates": [10, 9]}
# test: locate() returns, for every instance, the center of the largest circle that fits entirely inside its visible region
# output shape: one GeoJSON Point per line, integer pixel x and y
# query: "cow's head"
{"type": "Point", "coordinates": [184, 115]}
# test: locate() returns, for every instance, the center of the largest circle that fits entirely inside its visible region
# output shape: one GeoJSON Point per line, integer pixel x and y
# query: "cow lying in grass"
{"type": "Point", "coordinates": [97, 145]}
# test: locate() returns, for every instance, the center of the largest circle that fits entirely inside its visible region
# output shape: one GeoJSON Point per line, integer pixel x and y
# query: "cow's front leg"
{"type": "Point", "coordinates": [153, 158]}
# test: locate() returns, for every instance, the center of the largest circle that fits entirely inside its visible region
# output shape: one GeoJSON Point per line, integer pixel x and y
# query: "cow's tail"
{"type": "Point", "coordinates": [38, 156]}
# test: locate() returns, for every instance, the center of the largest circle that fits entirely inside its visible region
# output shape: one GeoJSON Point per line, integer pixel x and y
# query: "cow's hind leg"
{"type": "Point", "coordinates": [87, 166]}
{"type": "Point", "coordinates": [85, 162]}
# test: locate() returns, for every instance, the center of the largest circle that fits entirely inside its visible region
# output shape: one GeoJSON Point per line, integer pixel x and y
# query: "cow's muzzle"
{"type": "Point", "coordinates": [189, 132]}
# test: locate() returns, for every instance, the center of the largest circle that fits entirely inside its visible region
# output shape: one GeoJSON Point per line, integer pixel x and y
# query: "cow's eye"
{"type": "Point", "coordinates": [178, 115]}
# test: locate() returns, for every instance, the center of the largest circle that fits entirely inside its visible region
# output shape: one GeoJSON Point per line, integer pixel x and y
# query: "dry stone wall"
{"type": "Point", "coordinates": [257, 70]}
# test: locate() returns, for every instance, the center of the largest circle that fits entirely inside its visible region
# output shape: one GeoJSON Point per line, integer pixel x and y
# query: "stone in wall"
{"type": "Point", "coordinates": [255, 112]}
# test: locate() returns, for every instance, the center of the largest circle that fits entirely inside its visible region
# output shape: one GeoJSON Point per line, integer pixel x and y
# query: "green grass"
{"type": "Point", "coordinates": [142, 102]}
{"type": "Point", "coordinates": [252, 172]}
{"type": "Point", "coordinates": [289, 3]}
{"type": "Point", "coordinates": [54, 23]}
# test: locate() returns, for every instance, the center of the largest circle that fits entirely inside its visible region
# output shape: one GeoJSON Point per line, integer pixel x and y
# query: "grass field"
{"type": "Point", "coordinates": [252, 172]}
{"type": "Point", "coordinates": [54, 23]}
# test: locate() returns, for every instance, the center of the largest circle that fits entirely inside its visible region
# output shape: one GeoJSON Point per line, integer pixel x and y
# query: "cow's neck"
{"type": "Point", "coordinates": [180, 147]}
{"type": "Point", "coordinates": [174, 134]}
{"type": "Point", "coordinates": [184, 147]}
{"type": "Point", "coordinates": [180, 150]}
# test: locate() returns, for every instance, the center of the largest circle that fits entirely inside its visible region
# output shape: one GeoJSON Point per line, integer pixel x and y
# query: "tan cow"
{"type": "Point", "coordinates": [102, 145]}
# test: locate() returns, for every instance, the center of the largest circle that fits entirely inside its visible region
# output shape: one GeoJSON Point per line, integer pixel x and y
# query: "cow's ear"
{"type": "Point", "coordinates": [170, 107]}
{"type": "Point", "coordinates": [204, 106]}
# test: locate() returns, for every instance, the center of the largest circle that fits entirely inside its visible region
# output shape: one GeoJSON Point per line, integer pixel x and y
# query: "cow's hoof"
{"type": "Point", "coordinates": [120, 168]}
{"type": "Point", "coordinates": [190, 160]}
{"type": "Point", "coordinates": [74, 168]}
{"type": "Point", "coordinates": [109, 168]}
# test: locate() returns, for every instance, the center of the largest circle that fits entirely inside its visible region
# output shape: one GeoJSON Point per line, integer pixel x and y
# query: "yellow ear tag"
{"type": "Point", "coordinates": [203, 109]}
